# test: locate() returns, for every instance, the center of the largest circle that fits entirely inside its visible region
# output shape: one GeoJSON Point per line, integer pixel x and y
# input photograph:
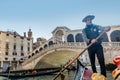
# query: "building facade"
{"type": "Point", "coordinates": [14, 48]}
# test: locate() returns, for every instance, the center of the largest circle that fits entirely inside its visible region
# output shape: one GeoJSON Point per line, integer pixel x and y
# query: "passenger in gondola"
{"type": "Point", "coordinates": [24, 73]}
{"type": "Point", "coordinates": [27, 72]}
{"type": "Point", "coordinates": [34, 71]}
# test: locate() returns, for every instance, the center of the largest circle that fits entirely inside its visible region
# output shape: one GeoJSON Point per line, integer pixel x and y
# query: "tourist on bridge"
{"type": "Point", "coordinates": [90, 33]}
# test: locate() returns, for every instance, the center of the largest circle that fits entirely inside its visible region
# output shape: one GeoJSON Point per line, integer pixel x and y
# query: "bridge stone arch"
{"type": "Point", "coordinates": [105, 37]}
{"type": "Point", "coordinates": [70, 38]}
{"type": "Point", "coordinates": [79, 38]}
{"type": "Point", "coordinates": [36, 51]}
{"type": "Point", "coordinates": [45, 46]}
{"type": "Point", "coordinates": [29, 56]}
{"type": "Point", "coordinates": [33, 54]}
{"type": "Point", "coordinates": [50, 43]}
{"type": "Point", "coordinates": [115, 36]}
{"type": "Point", "coordinates": [41, 49]}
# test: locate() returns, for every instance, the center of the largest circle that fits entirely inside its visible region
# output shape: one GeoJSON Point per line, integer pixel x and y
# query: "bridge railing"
{"type": "Point", "coordinates": [111, 44]}
{"type": "Point", "coordinates": [66, 45]}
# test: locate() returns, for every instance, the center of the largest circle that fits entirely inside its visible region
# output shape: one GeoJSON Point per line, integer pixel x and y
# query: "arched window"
{"type": "Point", "coordinates": [70, 38]}
{"type": "Point", "coordinates": [79, 38]}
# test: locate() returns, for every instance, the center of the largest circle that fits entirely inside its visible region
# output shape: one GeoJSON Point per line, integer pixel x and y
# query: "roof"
{"type": "Point", "coordinates": [60, 27]}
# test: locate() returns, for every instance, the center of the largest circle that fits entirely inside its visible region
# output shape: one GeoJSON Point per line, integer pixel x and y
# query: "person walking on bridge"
{"type": "Point", "coordinates": [90, 33]}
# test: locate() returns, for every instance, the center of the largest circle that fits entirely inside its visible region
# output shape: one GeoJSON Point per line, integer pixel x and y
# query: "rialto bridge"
{"type": "Point", "coordinates": [65, 39]}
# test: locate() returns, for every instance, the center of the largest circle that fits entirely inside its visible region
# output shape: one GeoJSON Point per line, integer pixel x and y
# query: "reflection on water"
{"type": "Point", "coordinates": [68, 76]}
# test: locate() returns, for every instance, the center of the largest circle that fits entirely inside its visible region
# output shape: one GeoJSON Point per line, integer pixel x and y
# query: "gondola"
{"type": "Point", "coordinates": [24, 74]}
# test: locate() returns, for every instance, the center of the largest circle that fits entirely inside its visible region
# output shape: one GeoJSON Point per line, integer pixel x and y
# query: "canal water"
{"type": "Point", "coordinates": [68, 76]}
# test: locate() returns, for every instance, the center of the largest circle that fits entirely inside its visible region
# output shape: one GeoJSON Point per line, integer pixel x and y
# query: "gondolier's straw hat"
{"type": "Point", "coordinates": [97, 76]}
{"type": "Point", "coordinates": [91, 17]}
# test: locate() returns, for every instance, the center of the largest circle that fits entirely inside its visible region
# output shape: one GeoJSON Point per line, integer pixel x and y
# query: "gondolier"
{"type": "Point", "coordinates": [77, 56]}
{"type": "Point", "coordinates": [90, 32]}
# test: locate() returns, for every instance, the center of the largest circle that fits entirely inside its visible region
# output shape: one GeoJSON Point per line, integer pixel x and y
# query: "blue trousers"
{"type": "Point", "coordinates": [98, 50]}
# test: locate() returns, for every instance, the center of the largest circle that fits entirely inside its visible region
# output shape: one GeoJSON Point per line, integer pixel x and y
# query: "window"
{"type": "Point", "coordinates": [21, 59]}
{"type": "Point", "coordinates": [14, 59]}
{"type": "Point", "coordinates": [6, 53]}
{"type": "Point", "coordinates": [28, 44]}
{"type": "Point", "coordinates": [22, 54]}
{"type": "Point", "coordinates": [6, 58]}
{"type": "Point", "coordinates": [28, 39]}
{"type": "Point", "coordinates": [15, 46]}
{"type": "Point", "coordinates": [21, 47]}
{"type": "Point", "coordinates": [14, 53]}
{"type": "Point", "coordinates": [7, 34]}
{"type": "Point", "coordinates": [14, 36]}
{"type": "Point", "coordinates": [7, 45]}
{"type": "Point", "coordinates": [28, 48]}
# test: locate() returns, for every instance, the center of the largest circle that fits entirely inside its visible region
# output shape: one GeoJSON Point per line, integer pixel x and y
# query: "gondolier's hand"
{"type": "Point", "coordinates": [107, 28]}
{"type": "Point", "coordinates": [93, 40]}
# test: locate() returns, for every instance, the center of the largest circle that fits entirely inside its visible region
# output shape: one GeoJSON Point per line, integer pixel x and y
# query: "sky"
{"type": "Point", "coordinates": [43, 16]}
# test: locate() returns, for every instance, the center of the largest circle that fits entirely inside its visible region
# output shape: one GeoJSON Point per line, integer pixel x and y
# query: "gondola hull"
{"type": "Point", "coordinates": [21, 75]}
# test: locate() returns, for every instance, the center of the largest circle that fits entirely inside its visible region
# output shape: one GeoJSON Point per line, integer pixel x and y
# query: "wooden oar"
{"type": "Point", "coordinates": [76, 57]}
